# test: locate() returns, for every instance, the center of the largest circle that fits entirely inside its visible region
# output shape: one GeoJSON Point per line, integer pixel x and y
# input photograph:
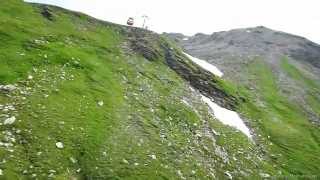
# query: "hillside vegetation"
{"type": "Point", "coordinates": [86, 99]}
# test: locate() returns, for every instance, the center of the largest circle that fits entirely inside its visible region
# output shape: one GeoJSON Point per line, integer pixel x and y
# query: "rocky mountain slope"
{"type": "Point", "coordinates": [293, 60]}
{"type": "Point", "coordinates": [86, 99]}
{"type": "Point", "coordinates": [281, 72]}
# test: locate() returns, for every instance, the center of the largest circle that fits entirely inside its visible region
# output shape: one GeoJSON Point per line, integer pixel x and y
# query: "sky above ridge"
{"type": "Point", "coordinates": [300, 17]}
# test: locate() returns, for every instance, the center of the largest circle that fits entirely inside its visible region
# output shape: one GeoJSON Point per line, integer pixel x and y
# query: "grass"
{"type": "Point", "coordinates": [143, 130]}
{"type": "Point", "coordinates": [311, 85]}
{"type": "Point", "coordinates": [294, 139]}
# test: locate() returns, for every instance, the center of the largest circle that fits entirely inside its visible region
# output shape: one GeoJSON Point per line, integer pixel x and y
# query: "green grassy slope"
{"type": "Point", "coordinates": [117, 114]}
{"type": "Point", "coordinates": [291, 138]}
{"type": "Point", "coordinates": [312, 86]}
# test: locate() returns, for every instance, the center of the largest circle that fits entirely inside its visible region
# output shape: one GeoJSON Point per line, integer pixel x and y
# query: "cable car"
{"type": "Point", "coordinates": [130, 21]}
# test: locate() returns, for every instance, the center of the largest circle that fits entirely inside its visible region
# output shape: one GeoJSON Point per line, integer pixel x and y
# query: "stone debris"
{"type": "Point", "coordinates": [1, 172]}
{"type": "Point", "coordinates": [9, 121]}
{"type": "Point", "coordinates": [52, 171]}
{"type": "Point", "coordinates": [59, 145]}
{"type": "Point", "coordinates": [125, 161]}
{"type": "Point", "coordinates": [153, 156]}
{"type": "Point", "coordinates": [180, 174]}
{"type": "Point", "coordinates": [73, 160]}
{"type": "Point", "coordinates": [264, 175]}
{"type": "Point", "coordinates": [30, 77]}
{"type": "Point", "coordinates": [227, 173]}
{"type": "Point", "coordinates": [8, 88]}
{"type": "Point", "coordinates": [100, 103]}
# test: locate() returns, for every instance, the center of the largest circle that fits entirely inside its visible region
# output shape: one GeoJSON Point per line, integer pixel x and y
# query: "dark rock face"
{"type": "Point", "coordinates": [144, 48]}
{"type": "Point", "coordinates": [144, 43]}
{"type": "Point", "coordinates": [150, 46]}
{"type": "Point", "coordinates": [199, 79]}
{"type": "Point", "coordinates": [46, 13]}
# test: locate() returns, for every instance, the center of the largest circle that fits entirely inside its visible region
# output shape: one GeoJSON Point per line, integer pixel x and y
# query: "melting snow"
{"type": "Point", "coordinates": [227, 117]}
{"type": "Point", "coordinates": [205, 65]}
{"type": "Point", "coordinates": [185, 39]}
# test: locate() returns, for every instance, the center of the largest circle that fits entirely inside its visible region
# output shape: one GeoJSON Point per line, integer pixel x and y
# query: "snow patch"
{"type": "Point", "coordinates": [205, 65]}
{"type": "Point", "coordinates": [185, 39]}
{"type": "Point", "coordinates": [227, 117]}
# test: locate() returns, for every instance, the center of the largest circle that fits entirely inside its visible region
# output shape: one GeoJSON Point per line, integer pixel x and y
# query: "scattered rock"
{"type": "Point", "coordinates": [10, 120]}
{"type": "Point", "coordinates": [125, 161]}
{"type": "Point", "coordinates": [264, 175]}
{"type": "Point", "coordinates": [59, 145]}
{"type": "Point", "coordinates": [227, 173]}
{"type": "Point", "coordinates": [7, 88]}
{"type": "Point", "coordinates": [1, 172]}
{"type": "Point", "coordinates": [73, 160]}
{"type": "Point", "coordinates": [153, 156]}
{"type": "Point", "coordinates": [100, 103]}
{"type": "Point", "coordinates": [180, 174]}
{"type": "Point", "coordinates": [104, 154]}
{"type": "Point", "coordinates": [52, 171]}
{"type": "Point", "coordinates": [47, 13]}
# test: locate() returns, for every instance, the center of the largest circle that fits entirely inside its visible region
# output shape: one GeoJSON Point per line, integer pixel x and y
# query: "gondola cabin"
{"type": "Point", "coordinates": [130, 21]}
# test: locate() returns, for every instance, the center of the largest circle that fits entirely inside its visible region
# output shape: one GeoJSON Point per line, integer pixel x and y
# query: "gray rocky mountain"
{"type": "Point", "coordinates": [293, 60]}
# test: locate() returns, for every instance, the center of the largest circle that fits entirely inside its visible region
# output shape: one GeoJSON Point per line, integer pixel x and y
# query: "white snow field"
{"type": "Point", "coordinates": [205, 65]}
{"type": "Point", "coordinates": [227, 117]}
{"type": "Point", "coordinates": [224, 115]}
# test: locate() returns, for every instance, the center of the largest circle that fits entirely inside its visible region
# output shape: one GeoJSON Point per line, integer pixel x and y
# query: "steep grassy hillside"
{"type": "Point", "coordinates": [84, 99]}
{"type": "Point", "coordinates": [292, 139]}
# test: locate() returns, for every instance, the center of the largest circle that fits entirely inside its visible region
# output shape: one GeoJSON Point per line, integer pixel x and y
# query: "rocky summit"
{"type": "Point", "coordinates": [82, 98]}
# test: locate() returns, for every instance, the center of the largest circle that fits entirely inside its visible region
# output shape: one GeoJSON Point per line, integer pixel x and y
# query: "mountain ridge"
{"type": "Point", "coordinates": [233, 50]}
